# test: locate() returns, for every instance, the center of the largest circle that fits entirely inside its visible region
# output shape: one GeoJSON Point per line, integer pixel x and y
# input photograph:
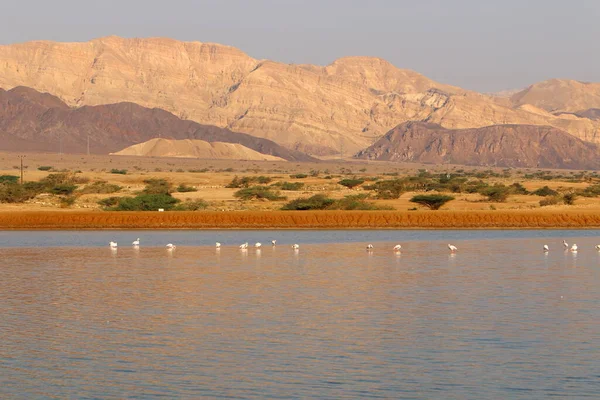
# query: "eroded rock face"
{"type": "Point", "coordinates": [348, 104]}
{"type": "Point", "coordinates": [526, 146]}
{"type": "Point", "coordinates": [34, 121]}
{"type": "Point", "coordinates": [560, 95]}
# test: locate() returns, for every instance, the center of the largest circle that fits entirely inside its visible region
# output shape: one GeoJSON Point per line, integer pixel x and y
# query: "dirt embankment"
{"type": "Point", "coordinates": [301, 220]}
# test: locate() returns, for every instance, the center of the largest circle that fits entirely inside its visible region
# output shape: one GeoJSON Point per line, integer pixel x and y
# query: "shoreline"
{"type": "Point", "coordinates": [256, 220]}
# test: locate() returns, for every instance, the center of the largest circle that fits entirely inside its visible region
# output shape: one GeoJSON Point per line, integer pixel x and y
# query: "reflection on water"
{"type": "Point", "coordinates": [498, 319]}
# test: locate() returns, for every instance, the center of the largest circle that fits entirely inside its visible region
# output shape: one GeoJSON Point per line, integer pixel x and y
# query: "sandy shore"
{"type": "Point", "coordinates": [517, 219]}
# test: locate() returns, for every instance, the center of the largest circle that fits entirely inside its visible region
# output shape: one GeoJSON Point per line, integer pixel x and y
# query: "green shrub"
{"type": "Point", "coordinates": [316, 202]}
{"type": "Point", "coordinates": [118, 171]}
{"type": "Point", "coordinates": [9, 179]}
{"type": "Point", "coordinates": [146, 202]}
{"type": "Point", "coordinates": [100, 187]}
{"type": "Point", "coordinates": [110, 201]}
{"type": "Point", "coordinates": [45, 168]}
{"type": "Point", "coordinates": [157, 186]}
{"type": "Point", "coordinates": [569, 198]}
{"type": "Point", "coordinates": [247, 181]}
{"type": "Point", "coordinates": [298, 176]}
{"type": "Point", "coordinates": [183, 188]}
{"type": "Point", "coordinates": [550, 201]}
{"type": "Point", "coordinates": [590, 191]}
{"type": "Point", "coordinates": [291, 185]}
{"type": "Point", "coordinates": [517, 188]}
{"type": "Point", "coordinates": [351, 183]}
{"type": "Point", "coordinates": [191, 205]}
{"type": "Point", "coordinates": [497, 193]}
{"type": "Point", "coordinates": [545, 191]}
{"type": "Point", "coordinates": [67, 201]}
{"type": "Point", "coordinates": [432, 201]}
{"type": "Point", "coordinates": [258, 192]}
{"type": "Point", "coordinates": [356, 202]}
{"type": "Point", "coordinates": [388, 189]}
{"type": "Point", "coordinates": [15, 193]}
{"type": "Point", "coordinates": [63, 189]}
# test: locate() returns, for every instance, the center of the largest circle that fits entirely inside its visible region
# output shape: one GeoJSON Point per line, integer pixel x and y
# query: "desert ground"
{"type": "Point", "coordinates": [210, 177]}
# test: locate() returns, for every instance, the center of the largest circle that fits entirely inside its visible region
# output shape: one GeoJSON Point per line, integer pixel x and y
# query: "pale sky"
{"type": "Point", "coordinates": [484, 45]}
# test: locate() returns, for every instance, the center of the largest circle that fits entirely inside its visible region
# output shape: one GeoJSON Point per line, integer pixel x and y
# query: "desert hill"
{"type": "Point", "coordinates": [499, 145]}
{"type": "Point", "coordinates": [348, 104]}
{"type": "Point", "coordinates": [192, 148]}
{"type": "Point", "coordinates": [560, 95]}
{"type": "Point", "coordinates": [35, 121]}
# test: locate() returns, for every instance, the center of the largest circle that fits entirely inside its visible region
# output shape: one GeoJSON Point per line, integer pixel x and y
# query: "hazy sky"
{"type": "Point", "coordinates": [485, 45]}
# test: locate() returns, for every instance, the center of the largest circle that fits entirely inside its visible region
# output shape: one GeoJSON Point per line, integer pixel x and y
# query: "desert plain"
{"type": "Point", "coordinates": [223, 210]}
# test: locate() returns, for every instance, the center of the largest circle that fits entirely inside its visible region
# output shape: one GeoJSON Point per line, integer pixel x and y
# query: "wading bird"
{"type": "Point", "coordinates": [369, 247]}
{"type": "Point", "coordinates": [397, 247]}
{"type": "Point", "coordinates": [273, 242]}
{"type": "Point", "coordinates": [295, 246]}
{"type": "Point", "coordinates": [113, 245]}
{"type": "Point", "coordinates": [574, 248]}
{"type": "Point", "coordinates": [136, 242]}
{"type": "Point", "coordinates": [218, 245]}
{"type": "Point", "coordinates": [565, 244]}
{"type": "Point", "coordinates": [170, 246]}
{"type": "Point", "coordinates": [257, 245]}
{"type": "Point", "coordinates": [546, 248]}
{"type": "Point", "coordinates": [452, 248]}
{"type": "Point", "coordinates": [244, 246]}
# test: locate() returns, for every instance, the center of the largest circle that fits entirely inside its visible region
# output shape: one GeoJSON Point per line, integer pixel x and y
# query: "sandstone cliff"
{"type": "Point", "coordinates": [560, 95]}
{"type": "Point", "coordinates": [348, 104]}
{"type": "Point", "coordinates": [498, 146]}
{"type": "Point", "coordinates": [40, 122]}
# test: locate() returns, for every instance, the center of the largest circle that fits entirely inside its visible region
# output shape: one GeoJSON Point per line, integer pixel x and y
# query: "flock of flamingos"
{"type": "Point", "coordinates": [296, 247]}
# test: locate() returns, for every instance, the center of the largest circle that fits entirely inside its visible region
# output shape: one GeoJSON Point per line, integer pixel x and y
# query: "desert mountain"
{"type": "Point", "coordinates": [30, 120]}
{"type": "Point", "coordinates": [347, 105]}
{"type": "Point", "coordinates": [191, 148]}
{"type": "Point", "coordinates": [499, 145]}
{"type": "Point", "coordinates": [560, 95]}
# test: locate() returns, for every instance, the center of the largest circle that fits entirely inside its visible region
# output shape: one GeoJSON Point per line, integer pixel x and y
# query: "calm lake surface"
{"type": "Point", "coordinates": [499, 319]}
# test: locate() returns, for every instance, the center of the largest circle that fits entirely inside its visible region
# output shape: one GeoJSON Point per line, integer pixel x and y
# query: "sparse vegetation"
{"type": "Point", "coordinates": [45, 168]}
{"type": "Point", "coordinates": [183, 188]}
{"type": "Point", "coordinates": [351, 183]}
{"type": "Point", "coordinates": [118, 171]}
{"type": "Point", "coordinates": [432, 201]}
{"type": "Point", "coordinates": [258, 193]}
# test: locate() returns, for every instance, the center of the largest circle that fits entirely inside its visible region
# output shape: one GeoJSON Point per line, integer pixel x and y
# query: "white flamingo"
{"type": "Point", "coordinates": [244, 246]}
{"type": "Point", "coordinates": [565, 244]}
{"type": "Point", "coordinates": [546, 248]}
{"type": "Point", "coordinates": [218, 245]}
{"type": "Point", "coordinates": [170, 246]}
{"type": "Point", "coordinates": [598, 247]}
{"type": "Point", "coordinates": [574, 248]}
{"type": "Point", "coordinates": [257, 245]}
{"type": "Point", "coordinates": [397, 247]}
{"type": "Point", "coordinates": [136, 242]}
{"type": "Point", "coordinates": [369, 247]}
{"type": "Point", "coordinates": [452, 248]}
{"type": "Point", "coordinates": [273, 242]}
{"type": "Point", "coordinates": [295, 246]}
{"type": "Point", "coordinates": [113, 245]}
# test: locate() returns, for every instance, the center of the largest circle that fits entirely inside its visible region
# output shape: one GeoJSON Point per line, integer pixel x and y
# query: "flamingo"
{"type": "Point", "coordinates": [136, 242]}
{"type": "Point", "coordinates": [171, 246]}
{"type": "Point", "coordinates": [452, 248]}
{"type": "Point", "coordinates": [565, 244]}
{"type": "Point", "coordinates": [397, 247]}
{"type": "Point", "coordinates": [574, 248]}
{"type": "Point", "coordinates": [218, 245]}
{"type": "Point", "coordinates": [273, 242]}
{"type": "Point", "coordinates": [257, 245]}
{"type": "Point", "coordinates": [369, 247]}
{"type": "Point", "coordinates": [546, 248]}
{"type": "Point", "coordinates": [113, 245]}
{"type": "Point", "coordinates": [244, 246]}
{"type": "Point", "coordinates": [598, 247]}
{"type": "Point", "coordinates": [295, 246]}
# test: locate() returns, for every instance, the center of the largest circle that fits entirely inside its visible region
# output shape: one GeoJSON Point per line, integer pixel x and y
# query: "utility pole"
{"type": "Point", "coordinates": [88, 144]}
{"type": "Point", "coordinates": [22, 157]}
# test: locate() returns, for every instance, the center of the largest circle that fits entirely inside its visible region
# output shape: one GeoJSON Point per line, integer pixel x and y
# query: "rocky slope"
{"type": "Point", "coordinates": [499, 145]}
{"type": "Point", "coordinates": [560, 95]}
{"type": "Point", "coordinates": [30, 120]}
{"type": "Point", "coordinates": [348, 104]}
{"type": "Point", "coordinates": [191, 148]}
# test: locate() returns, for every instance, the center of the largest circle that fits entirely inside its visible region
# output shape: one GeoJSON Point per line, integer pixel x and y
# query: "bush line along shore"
{"type": "Point", "coordinates": [75, 220]}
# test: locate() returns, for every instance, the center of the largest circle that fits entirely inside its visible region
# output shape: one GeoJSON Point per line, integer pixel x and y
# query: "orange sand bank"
{"type": "Point", "coordinates": [298, 219]}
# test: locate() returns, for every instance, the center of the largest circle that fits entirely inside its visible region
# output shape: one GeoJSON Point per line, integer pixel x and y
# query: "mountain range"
{"type": "Point", "coordinates": [342, 108]}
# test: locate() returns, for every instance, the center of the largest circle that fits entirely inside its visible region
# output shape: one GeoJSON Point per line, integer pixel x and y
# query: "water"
{"type": "Point", "coordinates": [500, 319]}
